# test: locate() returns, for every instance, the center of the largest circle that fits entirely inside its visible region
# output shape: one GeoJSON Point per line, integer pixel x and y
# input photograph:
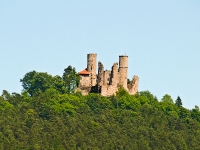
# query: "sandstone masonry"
{"type": "Point", "coordinates": [106, 82]}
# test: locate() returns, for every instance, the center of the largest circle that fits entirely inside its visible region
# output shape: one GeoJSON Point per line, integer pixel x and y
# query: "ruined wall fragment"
{"type": "Point", "coordinates": [106, 77]}
{"type": "Point", "coordinates": [133, 85]}
{"type": "Point", "coordinates": [114, 75]}
{"type": "Point", "coordinates": [108, 90]}
{"type": "Point", "coordinates": [100, 76]}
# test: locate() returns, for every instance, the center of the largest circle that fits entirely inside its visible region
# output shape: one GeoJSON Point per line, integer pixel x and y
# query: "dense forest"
{"type": "Point", "coordinates": [50, 114]}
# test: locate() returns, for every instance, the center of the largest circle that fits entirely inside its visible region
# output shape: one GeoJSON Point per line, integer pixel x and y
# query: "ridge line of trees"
{"type": "Point", "coordinates": [49, 114]}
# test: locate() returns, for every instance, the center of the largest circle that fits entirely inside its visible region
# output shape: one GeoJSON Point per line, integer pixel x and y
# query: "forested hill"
{"type": "Point", "coordinates": [47, 115]}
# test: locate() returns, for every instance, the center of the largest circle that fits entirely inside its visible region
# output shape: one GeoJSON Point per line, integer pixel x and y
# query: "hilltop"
{"type": "Point", "coordinates": [50, 114]}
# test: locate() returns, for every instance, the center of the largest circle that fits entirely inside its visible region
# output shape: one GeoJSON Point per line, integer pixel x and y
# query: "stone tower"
{"type": "Point", "coordinates": [123, 70]}
{"type": "Point", "coordinates": [91, 68]}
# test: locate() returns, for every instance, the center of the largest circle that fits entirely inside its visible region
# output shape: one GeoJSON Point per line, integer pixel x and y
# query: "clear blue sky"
{"type": "Point", "coordinates": [161, 38]}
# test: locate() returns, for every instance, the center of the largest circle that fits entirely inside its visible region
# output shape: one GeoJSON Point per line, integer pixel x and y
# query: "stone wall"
{"type": "Point", "coordinates": [84, 81]}
{"type": "Point", "coordinates": [108, 90]}
{"type": "Point", "coordinates": [107, 82]}
{"type": "Point", "coordinates": [114, 75]}
{"type": "Point", "coordinates": [133, 85]}
{"type": "Point", "coordinates": [84, 90]}
{"type": "Point", "coordinates": [106, 78]}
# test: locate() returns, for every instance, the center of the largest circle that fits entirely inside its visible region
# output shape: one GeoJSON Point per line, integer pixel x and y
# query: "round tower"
{"type": "Point", "coordinates": [91, 68]}
{"type": "Point", "coordinates": [123, 70]}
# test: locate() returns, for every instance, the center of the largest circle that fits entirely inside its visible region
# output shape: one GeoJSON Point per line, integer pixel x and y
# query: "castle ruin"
{"type": "Point", "coordinates": [106, 82]}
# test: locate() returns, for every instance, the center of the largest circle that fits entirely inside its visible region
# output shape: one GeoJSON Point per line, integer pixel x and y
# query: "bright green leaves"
{"type": "Point", "coordinates": [121, 92]}
{"type": "Point", "coordinates": [52, 120]}
{"type": "Point", "coordinates": [48, 114]}
{"type": "Point", "coordinates": [97, 103]}
{"type": "Point", "coordinates": [167, 99]}
{"type": "Point", "coordinates": [66, 103]}
{"type": "Point", "coordinates": [33, 82]}
{"type": "Point", "coordinates": [5, 105]}
{"type": "Point", "coordinates": [150, 98]}
{"type": "Point", "coordinates": [126, 101]}
{"type": "Point", "coordinates": [62, 106]}
{"type": "Point", "coordinates": [168, 107]}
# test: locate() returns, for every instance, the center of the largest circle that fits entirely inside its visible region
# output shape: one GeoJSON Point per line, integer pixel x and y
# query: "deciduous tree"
{"type": "Point", "coordinates": [41, 81]}
{"type": "Point", "coordinates": [167, 99]}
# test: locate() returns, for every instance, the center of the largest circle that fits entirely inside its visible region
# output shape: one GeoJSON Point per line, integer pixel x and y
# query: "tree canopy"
{"type": "Point", "coordinates": [34, 82]}
{"type": "Point", "coordinates": [71, 79]}
{"type": "Point", "coordinates": [167, 99]}
{"type": "Point", "coordinates": [178, 102]}
{"type": "Point", "coordinates": [46, 116]}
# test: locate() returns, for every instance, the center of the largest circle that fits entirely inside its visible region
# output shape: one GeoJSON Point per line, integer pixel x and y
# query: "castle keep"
{"type": "Point", "coordinates": [106, 82]}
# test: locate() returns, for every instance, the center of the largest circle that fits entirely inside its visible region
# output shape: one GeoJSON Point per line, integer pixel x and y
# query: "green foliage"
{"type": "Point", "coordinates": [167, 99]}
{"type": "Point", "coordinates": [71, 79]}
{"type": "Point", "coordinates": [49, 116]}
{"type": "Point", "coordinates": [195, 113]}
{"type": "Point", "coordinates": [34, 82]}
{"type": "Point", "coordinates": [52, 120]}
{"type": "Point", "coordinates": [98, 103]}
{"type": "Point", "coordinates": [121, 92]}
{"type": "Point", "coordinates": [178, 102]}
{"type": "Point", "coordinates": [184, 113]}
{"type": "Point", "coordinates": [4, 105]}
{"type": "Point", "coordinates": [196, 108]}
{"type": "Point", "coordinates": [148, 95]}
